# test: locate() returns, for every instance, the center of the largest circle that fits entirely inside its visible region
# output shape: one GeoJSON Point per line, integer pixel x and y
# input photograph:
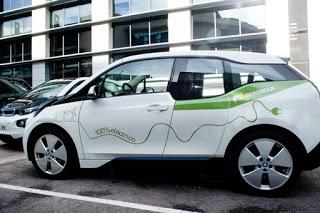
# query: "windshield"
{"type": "Point", "coordinates": [47, 90]}
{"type": "Point", "coordinates": [20, 86]}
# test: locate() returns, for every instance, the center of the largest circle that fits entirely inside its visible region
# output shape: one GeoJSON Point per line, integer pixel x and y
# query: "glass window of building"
{"type": "Point", "coordinates": [22, 72]}
{"type": "Point", "coordinates": [121, 35]}
{"type": "Point", "coordinates": [159, 31]}
{"type": "Point", "coordinates": [253, 19]}
{"type": "Point", "coordinates": [15, 4]}
{"type": "Point", "coordinates": [6, 29]}
{"type": "Point", "coordinates": [256, 45]}
{"type": "Point", "coordinates": [228, 22]}
{"type": "Point", "coordinates": [70, 42]}
{"type": "Point", "coordinates": [16, 26]}
{"type": "Point", "coordinates": [203, 24]}
{"type": "Point", "coordinates": [140, 33]}
{"type": "Point", "coordinates": [71, 15]}
{"type": "Point", "coordinates": [138, 6]}
{"type": "Point", "coordinates": [57, 18]}
{"type": "Point", "coordinates": [56, 44]}
{"type": "Point", "coordinates": [125, 7]}
{"type": "Point", "coordinates": [72, 68]}
{"type": "Point", "coordinates": [4, 52]}
{"type": "Point", "coordinates": [15, 51]}
{"type": "Point", "coordinates": [85, 41]}
{"type": "Point", "coordinates": [121, 7]}
{"type": "Point", "coordinates": [143, 32]}
{"type": "Point", "coordinates": [85, 12]}
{"type": "Point", "coordinates": [118, 56]}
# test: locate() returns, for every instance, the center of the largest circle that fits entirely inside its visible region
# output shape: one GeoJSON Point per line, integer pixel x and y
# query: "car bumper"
{"type": "Point", "coordinates": [313, 159]}
{"type": "Point", "coordinates": [9, 131]}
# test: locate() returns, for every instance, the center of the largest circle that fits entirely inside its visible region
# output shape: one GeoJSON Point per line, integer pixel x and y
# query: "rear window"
{"type": "Point", "coordinates": [242, 74]}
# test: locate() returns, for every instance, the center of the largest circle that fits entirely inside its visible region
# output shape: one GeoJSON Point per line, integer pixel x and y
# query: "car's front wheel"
{"type": "Point", "coordinates": [53, 155]}
{"type": "Point", "coordinates": [266, 162]}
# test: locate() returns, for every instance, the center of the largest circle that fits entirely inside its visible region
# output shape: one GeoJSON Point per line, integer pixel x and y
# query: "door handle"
{"type": "Point", "coordinates": [157, 108]}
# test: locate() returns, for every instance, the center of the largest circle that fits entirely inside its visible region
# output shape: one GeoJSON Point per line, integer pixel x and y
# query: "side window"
{"type": "Point", "coordinates": [242, 74]}
{"type": "Point", "coordinates": [140, 77]}
{"type": "Point", "coordinates": [197, 78]}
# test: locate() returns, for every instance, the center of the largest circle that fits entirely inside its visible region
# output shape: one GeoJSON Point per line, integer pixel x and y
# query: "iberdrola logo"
{"type": "Point", "coordinates": [251, 95]}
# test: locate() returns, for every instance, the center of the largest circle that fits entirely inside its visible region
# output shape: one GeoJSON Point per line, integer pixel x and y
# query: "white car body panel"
{"type": "Point", "coordinates": [101, 132]}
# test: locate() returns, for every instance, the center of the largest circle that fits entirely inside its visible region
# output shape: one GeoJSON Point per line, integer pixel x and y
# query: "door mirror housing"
{"type": "Point", "coordinates": [92, 93]}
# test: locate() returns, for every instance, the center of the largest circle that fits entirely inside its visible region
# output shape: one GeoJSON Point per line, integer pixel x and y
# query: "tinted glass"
{"type": "Point", "coordinates": [57, 18]}
{"type": "Point", "coordinates": [121, 7]}
{"type": "Point", "coordinates": [203, 24]}
{"type": "Point", "coordinates": [56, 42]}
{"type": "Point", "coordinates": [17, 51]}
{"type": "Point", "coordinates": [71, 69]}
{"type": "Point", "coordinates": [6, 5]}
{"type": "Point", "coordinates": [256, 45]}
{"type": "Point", "coordinates": [253, 19]}
{"type": "Point", "coordinates": [6, 28]}
{"type": "Point", "coordinates": [85, 12]}
{"type": "Point", "coordinates": [242, 74]}
{"type": "Point", "coordinates": [71, 43]}
{"type": "Point", "coordinates": [4, 52]}
{"type": "Point", "coordinates": [27, 49]}
{"type": "Point", "coordinates": [121, 36]}
{"type": "Point", "coordinates": [159, 31]}
{"type": "Point", "coordinates": [71, 15]}
{"type": "Point", "coordinates": [197, 78]}
{"type": "Point", "coordinates": [158, 4]}
{"type": "Point", "coordinates": [85, 41]}
{"type": "Point", "coordinates": [138, 6]}
{"type": "Point", "coordinates": [15, 4]}
{"type": "Point", "coordinates": [85, 67]}
{"type": "Point", "coordinates": [228, 22]}
{"type": "Point", "coordinates": [27, 24]}
{"type": "Point", "coordinates": [141, 77]}
{"type": "Point", "coordinates": [140, 33]}
{"type": "Point", "coordinates": [17, 26]}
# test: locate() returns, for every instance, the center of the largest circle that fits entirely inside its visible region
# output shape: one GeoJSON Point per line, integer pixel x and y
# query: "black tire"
{"type": "Point", "coordinates": [242, 142]}
{"type": "Point", "coordinates": [72, 163]}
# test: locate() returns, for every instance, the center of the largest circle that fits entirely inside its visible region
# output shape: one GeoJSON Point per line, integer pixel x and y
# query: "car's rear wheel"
{"type": "Point", "coordinates": [53, 154]}
{"type": "Point", "coordinates": [266, 162]}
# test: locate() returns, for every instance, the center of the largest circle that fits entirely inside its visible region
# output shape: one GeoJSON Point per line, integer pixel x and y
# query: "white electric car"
{"type": "Point", "coordinates": [256, 111]}
{"type": "Point", "coordinates": [14, 115]}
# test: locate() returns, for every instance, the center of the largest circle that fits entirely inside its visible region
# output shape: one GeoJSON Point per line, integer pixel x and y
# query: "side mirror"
{"type": "Point", "coordinates": [92, 93]}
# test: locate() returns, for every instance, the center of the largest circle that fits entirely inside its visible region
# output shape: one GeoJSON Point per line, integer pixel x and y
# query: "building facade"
{"type": "Point", "coordinates": [43, 40]}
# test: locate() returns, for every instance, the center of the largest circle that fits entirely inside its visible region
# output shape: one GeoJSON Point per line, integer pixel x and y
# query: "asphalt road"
{"type": "Point", "coordinates": [164, 186]}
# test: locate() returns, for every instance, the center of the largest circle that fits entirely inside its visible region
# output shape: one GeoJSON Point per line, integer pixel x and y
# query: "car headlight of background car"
{"type": "Point", "coordinates": [27, 111]}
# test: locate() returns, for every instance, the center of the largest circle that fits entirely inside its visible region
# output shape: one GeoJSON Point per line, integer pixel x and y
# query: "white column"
{"type": "Point", "coordinates": [40, 43]}
{"type": "Point", "coordinates": [277, 28]}
{"type": "Point", "coordinates": [101, 40]}
{"type": "Point", "coordinates": [179, 25]}
{"type": "Point", "coordinates": [314, 41]}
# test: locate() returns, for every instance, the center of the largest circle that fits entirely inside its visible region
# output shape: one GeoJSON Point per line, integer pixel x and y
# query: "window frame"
{"type": "Point", "coordinates": [176, 73]}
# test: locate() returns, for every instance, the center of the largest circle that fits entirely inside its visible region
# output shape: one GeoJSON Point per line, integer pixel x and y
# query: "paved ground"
{"type": "Point", "coordinates": [172, 186]}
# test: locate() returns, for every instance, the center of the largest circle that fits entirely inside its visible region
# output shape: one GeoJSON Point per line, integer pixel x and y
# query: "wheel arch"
{"type": "Point", "coordinates": [49, 126]}
{"type": "Point", "coordinates": [267, 127]}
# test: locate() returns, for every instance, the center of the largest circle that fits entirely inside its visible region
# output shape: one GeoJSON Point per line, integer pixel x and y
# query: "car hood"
{"type": "Point", "coordinates": [19, 104]}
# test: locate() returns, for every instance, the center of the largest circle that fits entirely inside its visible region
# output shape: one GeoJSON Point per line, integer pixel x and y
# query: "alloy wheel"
{"type": "Point", "coordinates": [265, 164]}
{"type": "Point", "coordinates": [50, 154]}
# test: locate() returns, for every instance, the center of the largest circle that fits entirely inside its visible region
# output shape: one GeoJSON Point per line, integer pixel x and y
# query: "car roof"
{"type": "Point", "coordinates": [236, 56]}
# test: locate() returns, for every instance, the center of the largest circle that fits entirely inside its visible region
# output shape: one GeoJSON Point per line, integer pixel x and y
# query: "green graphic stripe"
{"type": "Point", "coordinates": [275, 111]}
{"type": "Point", "coordinates": [250, 93]}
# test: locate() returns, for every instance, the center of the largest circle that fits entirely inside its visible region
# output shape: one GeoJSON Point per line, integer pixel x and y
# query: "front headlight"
{"type": "Point", "coordinates": [27, 111]}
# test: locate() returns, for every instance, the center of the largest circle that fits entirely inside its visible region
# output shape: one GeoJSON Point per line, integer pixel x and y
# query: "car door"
{"type": "Point", "coordinates": [201, 108]}
{"type": "Point", "coordinates": [131, 116]}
